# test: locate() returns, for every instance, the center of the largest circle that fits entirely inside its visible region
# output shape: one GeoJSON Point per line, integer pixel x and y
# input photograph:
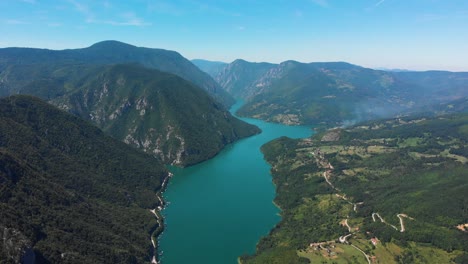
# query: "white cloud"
{"type": "Point", "coordinates": [380, 2]}
{"type": "Point", "coordinates": [128, 19]}
{"type": "Point", "coordinates": [82, 8]}
{"type": "Point", "coordinates": [373, 7]}
{"type": "Point", "coordinates": [125, 19]}
{"type": "Point", "coordinates": [79, 6]}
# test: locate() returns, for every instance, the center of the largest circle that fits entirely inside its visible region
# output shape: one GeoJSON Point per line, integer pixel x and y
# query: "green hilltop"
{"type": "Point", "coordinates": [104, 53]}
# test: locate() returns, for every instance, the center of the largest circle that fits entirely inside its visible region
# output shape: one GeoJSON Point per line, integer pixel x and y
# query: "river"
{"type": "Point", "coordinates": [219, 209]}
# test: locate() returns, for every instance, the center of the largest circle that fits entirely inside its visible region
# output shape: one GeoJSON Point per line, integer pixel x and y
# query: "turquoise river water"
{"type": "Point", "coordinates": [219, 209]}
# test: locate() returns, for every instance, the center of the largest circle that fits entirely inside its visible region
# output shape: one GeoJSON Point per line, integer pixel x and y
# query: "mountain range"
{"type": "Point", "coordinates": [159, 112]}
{"type": "Point", "coordinates": [109, 52]}
{"type": "Point", "coordinates": [85, 135]}
{"type": "Point", "coordinates": [335, 93]}
{"type": "Point", "coordinates": [210, 67]}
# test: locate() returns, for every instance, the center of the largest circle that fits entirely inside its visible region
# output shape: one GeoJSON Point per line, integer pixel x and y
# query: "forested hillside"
{"type": "Point", "coordinates": [69, 193]}
{"type": "Point", "coordinates": [391, 191]}
{"type": "Point", "coordinates": [158, 112]}
{"type": "Point", "coordinates": [244, 79]}
{"type": "Point", "coordinates": [103, 53]}
{"type": "Point", "coordinates": [336, 93]}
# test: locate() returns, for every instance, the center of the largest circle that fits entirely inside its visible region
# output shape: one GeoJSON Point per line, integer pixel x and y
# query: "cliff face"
{"type": "Point", "coordinates": [161, 103]}
{"type": "Point", "coordinates": [160, 113]}
{"type": "Point", "coordinates": [16, 246]}
{"type": "Point", "coordinates": [244, 79]}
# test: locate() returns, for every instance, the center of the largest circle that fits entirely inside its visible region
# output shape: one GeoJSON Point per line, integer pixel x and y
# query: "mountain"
{"type": "Point", "coordinates": [455, 106]}
{"type": "Point", "coordinates": [69, 193]}
{"type": "Point", "coordinates": [210, 67]}
{"type": "Point", "coordinates": [332, 93]}
{"type": "Point", "coordinates": [335, 93]}
{"type": "Point", "coordinates": [442, 85]}
{"type": "Point", "coordinates": [386, 191]}
{"type": "Point", "coordinates": [241, 78]}
{"type": "Point", "coordinates": [158, 112]}
{"type": "Point", "coordinates": [391, 69]}
{"type": "Point", "coordinates": [112, 52]}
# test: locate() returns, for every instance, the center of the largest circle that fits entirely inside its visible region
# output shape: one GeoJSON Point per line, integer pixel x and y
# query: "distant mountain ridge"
{"type": "Point", "coordinates": [335, 93]}
{"type": "Point", "coordinates": [210, 67]}
{"type": "Point", "coordinates": [243, 79]}
{"type": "Point", "coordinates": [114, 52]}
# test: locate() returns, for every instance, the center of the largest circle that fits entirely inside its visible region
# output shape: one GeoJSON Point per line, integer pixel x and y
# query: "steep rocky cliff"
{"type": "Point", "coordinates": [160, 113]}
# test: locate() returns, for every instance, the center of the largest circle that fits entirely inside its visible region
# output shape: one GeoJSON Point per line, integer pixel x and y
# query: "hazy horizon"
{"type": "Point", "coordinates": [413, 35]}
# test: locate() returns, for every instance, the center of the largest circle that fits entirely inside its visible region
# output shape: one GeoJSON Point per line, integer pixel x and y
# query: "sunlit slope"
{"type": "Point", "coordinates": [400, 182]}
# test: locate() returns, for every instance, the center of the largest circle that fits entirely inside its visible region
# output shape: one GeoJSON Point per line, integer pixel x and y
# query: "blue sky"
{"type": "Point", "coordinates": [411, 34]}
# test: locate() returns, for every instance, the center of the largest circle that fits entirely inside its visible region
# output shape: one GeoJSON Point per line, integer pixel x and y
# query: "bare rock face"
{"type": "Point", "coordinates": [159, 113]}
{"type": "Point", "coordinates": [332, 135]}
{"type": "Point", "coordinates": [15, 246]}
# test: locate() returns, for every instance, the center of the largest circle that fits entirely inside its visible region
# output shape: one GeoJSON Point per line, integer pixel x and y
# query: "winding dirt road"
{"type": "Point", "coordinates": [364, 253]}
{"type": "Point", "coordinates": [400, 216]}
{"type": "Point", "coordinates": [343, 239]}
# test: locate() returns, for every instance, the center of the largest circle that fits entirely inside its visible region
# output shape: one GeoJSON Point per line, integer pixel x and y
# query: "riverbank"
{"type": "Point", "coordinates": [160, 219]}
{"type": "Point", "coordinates": [338, 192]}
{"type": "Point", "coordinates": [220, 208]}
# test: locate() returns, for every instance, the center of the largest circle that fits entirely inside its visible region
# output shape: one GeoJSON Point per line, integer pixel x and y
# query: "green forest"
{"type": "Point", "coordinates": [158, 112]}
{"type": "Point", "coordinates": [86, 135]}
{"type": "Point", "coordinates": [68, 192]}
{"type": "Point", "coordinates": [400, 182]}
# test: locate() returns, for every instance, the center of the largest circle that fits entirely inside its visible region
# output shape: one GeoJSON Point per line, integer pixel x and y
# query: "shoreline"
{"type": "Point", "coordinates": [272, 133]}
{"type": "Point", "coordinates": [239, 258]}
{"type": "Point", "coordinates": [159, 218]}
